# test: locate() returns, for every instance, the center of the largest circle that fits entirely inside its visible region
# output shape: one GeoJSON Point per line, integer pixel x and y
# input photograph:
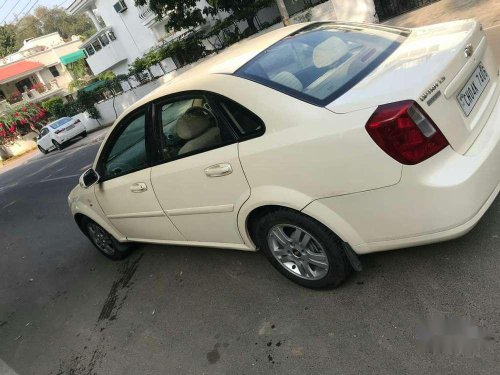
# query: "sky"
{"type": "Point", "coordinates": [9, 9]}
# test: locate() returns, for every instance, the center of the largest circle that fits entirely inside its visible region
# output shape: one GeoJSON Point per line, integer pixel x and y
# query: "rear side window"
{"type": "Point", "coordinates": [244, 122]}
{"type": "Point", "coordinates": [323, 61]}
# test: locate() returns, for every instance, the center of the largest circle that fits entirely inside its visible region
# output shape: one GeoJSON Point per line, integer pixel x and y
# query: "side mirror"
{"type": "Point", "coordinates": [89, 178]}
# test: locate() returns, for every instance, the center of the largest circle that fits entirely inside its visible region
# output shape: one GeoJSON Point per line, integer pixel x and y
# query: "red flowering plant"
{"type": "Point", "coordinates": [38, 87]}
{"type": "Point", "coordinates": [20, 120]}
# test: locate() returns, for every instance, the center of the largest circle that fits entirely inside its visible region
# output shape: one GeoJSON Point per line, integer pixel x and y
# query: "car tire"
{"type": "Point", "coordinates": [84, 134]}
{"type": "Point", "coordinates": [57, 145]}
{"type": "Point", "coordinates": [302, 249]}
{"type": "Point", "coordinates": [42, 150]}
{"type": "Point", "coordinates": [105, 242]}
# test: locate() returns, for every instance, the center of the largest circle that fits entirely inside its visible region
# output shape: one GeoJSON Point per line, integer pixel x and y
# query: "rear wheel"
{"type": "Point", "coordinates": [42, 150]}
{"type": "Point", "coordinates": [105, 242]}
{"type": "Point", "coordinates": [302, 249]}
{"type": "Point", "coordinates": [57, 145]}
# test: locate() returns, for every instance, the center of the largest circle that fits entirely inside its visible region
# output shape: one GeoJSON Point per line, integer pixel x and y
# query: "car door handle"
{"type": "Point", "coordinates": [138, 187]}
{"type": "Point", "coordinates": [219, 170]}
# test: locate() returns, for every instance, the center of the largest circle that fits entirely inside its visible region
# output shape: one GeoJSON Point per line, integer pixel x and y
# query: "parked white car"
{"type": "Point", "coordinates": [314, 143]}
{"type": "Point", "coordinates": [56, 134]}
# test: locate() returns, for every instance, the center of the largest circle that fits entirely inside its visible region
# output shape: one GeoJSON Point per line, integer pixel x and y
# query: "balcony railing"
{"type": "Point", "coordinates": [146, 15]}
{"type": "Point", "coordinates": [36, 93]}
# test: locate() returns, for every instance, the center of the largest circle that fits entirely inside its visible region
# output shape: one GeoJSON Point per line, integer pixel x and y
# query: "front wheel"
{"type": "Point", "coordinates": [84, 134]}
{"type": "Point", "coordinates": [302, 249]}
{"type": "Point", "coordinates": [42, 150]}
{"type": "Point", "coordinates": [105, 242]}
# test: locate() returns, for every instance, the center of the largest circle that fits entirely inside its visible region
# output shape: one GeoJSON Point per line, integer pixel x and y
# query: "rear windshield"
{"type": "Point", "coordinates": [322, 61]}
{"type": "Point", "coordinates": [60, 122]}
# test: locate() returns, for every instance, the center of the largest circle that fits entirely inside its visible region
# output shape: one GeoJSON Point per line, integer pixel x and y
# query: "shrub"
{"type": "Point", "coordinates": [55, 107]}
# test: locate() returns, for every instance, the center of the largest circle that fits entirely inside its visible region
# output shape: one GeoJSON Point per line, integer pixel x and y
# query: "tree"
{"type": "Point", "coordinates": [283, 12]}
{"type": "Point", "coordinates": [185, 14]}
{"type": "Point", "coordinates": [182, 14]}
{"type": "Point", "coordinates": [238, 9]}
{"type": "Point", "coordinates": [48, 20]}
{"type": "Point", "coordinates": [7, 40]}
{"type": "Point", "coordinates": [57, 19]}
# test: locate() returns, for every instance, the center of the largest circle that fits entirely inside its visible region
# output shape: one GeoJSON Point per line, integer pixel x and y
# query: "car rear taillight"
{"type": "Point", "coordinates": [77, 121]}
{"type": "Point", "coordinates": [405, 132]}
{"type": "Point", "coordinates": [59, 131]}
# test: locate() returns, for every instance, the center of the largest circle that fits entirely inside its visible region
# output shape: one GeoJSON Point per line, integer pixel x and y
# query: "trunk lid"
{"type": "Point", "coordinates": [438, 67]}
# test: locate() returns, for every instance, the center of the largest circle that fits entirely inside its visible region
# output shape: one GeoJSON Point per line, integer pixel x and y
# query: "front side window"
{"type": "Point", "coordinates": [321, 62]}
{"type": "Point", "coordinates": [189, 126]}
{"type": "Point", "coordinates": [44, 132]}
{"type": "Point", "coordinates": [127, 153]}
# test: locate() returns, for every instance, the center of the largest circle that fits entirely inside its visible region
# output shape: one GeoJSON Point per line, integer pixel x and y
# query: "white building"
{"type": "Point", "coordinates": [128, 32]}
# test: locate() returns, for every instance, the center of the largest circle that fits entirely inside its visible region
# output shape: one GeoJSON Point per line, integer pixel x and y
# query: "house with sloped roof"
{"type": "Point", "coordinates": [39, 69]}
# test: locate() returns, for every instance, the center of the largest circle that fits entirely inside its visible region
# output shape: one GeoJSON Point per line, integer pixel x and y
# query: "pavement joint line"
{"type": "Point", "coordinates": [46, 166]}
{"type": "Point", "coordinates": [9, 204]}
{"type": "Point", "coordinates": [8, 186]}
{"type": "Point", "coordinates": [86, 167]}
{"type": "Point", "coordinates": [59, 178]}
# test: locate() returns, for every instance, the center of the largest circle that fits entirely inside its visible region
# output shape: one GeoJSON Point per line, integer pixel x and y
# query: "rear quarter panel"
{"type": "Point", "coordinates": [307, 148]}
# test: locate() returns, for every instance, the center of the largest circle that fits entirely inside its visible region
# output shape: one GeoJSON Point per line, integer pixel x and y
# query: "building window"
{"type": "Point", "coordinates": [54, 71]}
{"type": "Point", "coordinates": [24, 85]}
{"type": "Point", "coordinates": [90, 50]}
{"type": "Point", "coordinates": [104, 40]}
{"type": "Point", "coordinates": [97, 45]}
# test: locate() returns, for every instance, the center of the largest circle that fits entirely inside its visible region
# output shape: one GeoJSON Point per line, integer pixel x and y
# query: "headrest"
{"type": "Point", "coordinates": [289, 80]}
{"type": "Point", "coordinates": [192, 124]}
{"type": "Point", "coordinates": [329, 51]}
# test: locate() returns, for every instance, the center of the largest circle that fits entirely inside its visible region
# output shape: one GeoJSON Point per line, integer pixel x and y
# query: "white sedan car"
{"type": "Point", "coordinates": [313, 143]}
{"type": "Point", "coordinates": [56, 134]}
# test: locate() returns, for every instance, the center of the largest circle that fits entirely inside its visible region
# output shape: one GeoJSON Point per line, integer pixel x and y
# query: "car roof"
{"type": "Point", "coordinates": [226, 62]}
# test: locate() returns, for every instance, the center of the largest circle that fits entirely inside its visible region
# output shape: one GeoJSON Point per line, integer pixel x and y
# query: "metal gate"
{"type": "Point", "coordinates": [391, 8]}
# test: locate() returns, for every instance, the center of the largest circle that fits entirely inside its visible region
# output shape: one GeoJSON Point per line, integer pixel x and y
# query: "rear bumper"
{"type": "Point", "coordinates": [439, 199]}
{"type": "Point", "coordinates": [73, 133]}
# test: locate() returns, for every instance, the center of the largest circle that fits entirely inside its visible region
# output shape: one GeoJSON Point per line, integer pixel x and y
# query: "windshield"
{"type": "Point", "coordinates": [58, 123]}
{"type": "Point", "coordinates": [323, 61]}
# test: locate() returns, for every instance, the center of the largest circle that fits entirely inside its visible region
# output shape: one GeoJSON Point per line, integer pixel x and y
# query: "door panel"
{"type": "Point", "coordinates": [45, 142]}
{"type": "Point", "coordinates": [203, 208]}
{"type": "Point", "coordinates": [130, 204]}
{"type": "Point", "coordinates": [125, 193]}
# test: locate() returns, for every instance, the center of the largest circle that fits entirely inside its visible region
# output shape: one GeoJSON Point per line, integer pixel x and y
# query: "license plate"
{"type": "Point", "coordinates": [471, 92]}
{"type": "Point", "coordinates": [70, 127]}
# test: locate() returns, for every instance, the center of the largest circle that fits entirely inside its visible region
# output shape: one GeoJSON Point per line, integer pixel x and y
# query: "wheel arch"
{"type": "Point", "coordinates": [313, 209]}
{"type": "Point", "coordinates": [81, 211]}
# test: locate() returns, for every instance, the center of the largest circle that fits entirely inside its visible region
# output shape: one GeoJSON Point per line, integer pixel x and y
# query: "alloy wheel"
{"type": "Point", "coordinates": [298, 251]}
{"type": "Point", "coordinates": [101, 238]}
